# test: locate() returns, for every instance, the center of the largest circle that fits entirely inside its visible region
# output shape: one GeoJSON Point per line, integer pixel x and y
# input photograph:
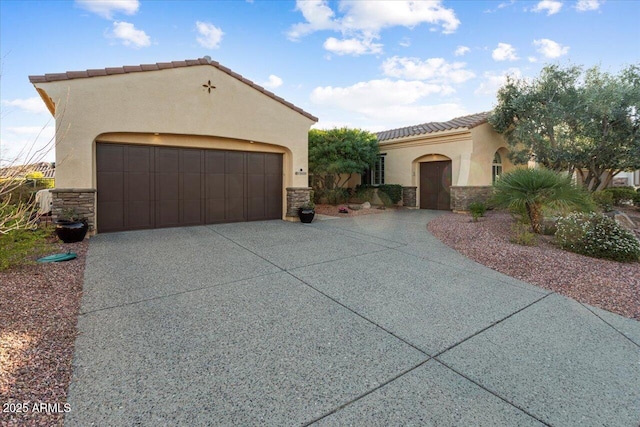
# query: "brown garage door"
{"type": "Point", "coordinates": [148, 186]}
{"type": "Point", "coordinates": [435, 183]}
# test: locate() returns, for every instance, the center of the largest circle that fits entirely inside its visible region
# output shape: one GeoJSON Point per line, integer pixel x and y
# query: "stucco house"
{"type": "Point", "coordinates": [441, 165]}
{"type": "Point", "coordinates": [174, 143]}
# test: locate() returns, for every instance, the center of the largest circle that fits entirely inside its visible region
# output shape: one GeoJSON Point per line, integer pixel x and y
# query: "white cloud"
{"type": "Point", "coordinates": [107, 8]}
{"type": "Point", "coordinates": [405, 42]}
{"type": "Point", "coordinates": [211, 35]}
{"type": "Point", "coordinates": [362, 21]}
{"type": "Point", "coordinates": [532, 59]}
{"type": "Point", "coordinates": [319, 16]}
{"type": "Point", "coordinates": [437, 70]}
{"type": "Point", "coordinates": [494, 81]}
{"type": "Point", "coordinates": [461, 50]}
{"type": "Point", "coordinates": [587, 5]}
{"type": "Point", "coordinates": [550, 49]}
{"type": "Point", "coordinates": [550, 6]}
{"type": "Point", "coordinates": [29, 105]}
{"type": "Point", "coordinates": [273, 82]}
{"type": "Point", "coordinates": [504, 52]}
{"type": "Point", "coordinates": [27, 144]}
{"type": "Point", "coordinates": [130, 35]}
{"type": "Point", "coordinates": [353, 46]}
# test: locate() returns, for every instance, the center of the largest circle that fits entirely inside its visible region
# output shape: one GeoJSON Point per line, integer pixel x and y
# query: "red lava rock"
{"type": "Point", "coordinates": [38, 315]}
{"type": "Point", "coordinates": [609, 285]}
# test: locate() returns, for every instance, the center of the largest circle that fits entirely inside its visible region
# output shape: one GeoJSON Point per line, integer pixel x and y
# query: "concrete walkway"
{"type": "Point", "coordinates": [358, 321]}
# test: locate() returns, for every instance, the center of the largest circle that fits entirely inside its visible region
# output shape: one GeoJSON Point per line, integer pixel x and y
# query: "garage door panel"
{"type": "Point", "coordinates": [192, 186]}
{"type": "Point", "coordinates": [191, 212]}
{"type": "Point", "coordinates": [167, 213]}
{"type": "Point", "coordinates": [215, 186]}
{"type": "Point", "coordinates": [234, 209]}
{"type": "Point", "coordinates": [255, 163]}
{"type": "Point", "coordinates": [110, 158]}
{"type": "Point", "coordinates": [273, 164]}
{"type": "Point", "coordinates": [111, 216]}
{"type": "Point", "coordinates": [234, 186]}
{"type": "Point", "coordinates": [139, 214]}
{"type": "Point", "coordinates": [167, 159]}
{"type": "Point", "coordinates": [215, 211]}
{"type": "Point", "coordinates": [234, 162]}
{"type": "Point", "coordinates": [256, 186]}
{"type": "Point", "coordinates": [112, 189]}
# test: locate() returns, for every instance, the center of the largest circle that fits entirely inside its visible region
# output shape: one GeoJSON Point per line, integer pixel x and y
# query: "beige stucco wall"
{"type": "Point", "coordinates": [486, 142]}
{"type": "Point", "coordinates": [134, 107]}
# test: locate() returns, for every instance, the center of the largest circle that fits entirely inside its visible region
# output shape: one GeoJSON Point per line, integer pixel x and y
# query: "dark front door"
{"type": "Point", "coordinates": [435, 185]}
{"type": "Point", "coordinates": [143, 186]}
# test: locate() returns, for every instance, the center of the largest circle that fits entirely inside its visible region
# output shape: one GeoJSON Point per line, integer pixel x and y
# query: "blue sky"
{"type": "Point", "coordinates": [375, 65]}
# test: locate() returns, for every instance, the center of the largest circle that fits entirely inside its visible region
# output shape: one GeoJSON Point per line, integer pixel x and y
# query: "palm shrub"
{"type": "Point", "coordinates": [477, 210]}
{"type": "Point", "coordinates": [534, 189]}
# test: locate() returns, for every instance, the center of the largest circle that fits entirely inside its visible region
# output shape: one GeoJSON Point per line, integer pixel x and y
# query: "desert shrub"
{"type": "Point", "coordinates": [603, 199]}
{"type": "Point", "coordinates": [394, 191]}
{"type": "Point", "coordinates": [636, 198]}
{"type": "Point", "coordinates": [363, 193]}
{"type": "Point", "coordinates": [533, 189]}
{"type": "Point", "coordinates": [597, 236]}
{"type": "Point", "coordinates": [337, 196]}
{"type": "Point", "coordinates": [621, 195]}
{"type": "Point", "coordinates": [20, 246]}
{"type": "Point", "coordinates": [477, 209]}
{"type": "Point", "coordinates": [521, 234]}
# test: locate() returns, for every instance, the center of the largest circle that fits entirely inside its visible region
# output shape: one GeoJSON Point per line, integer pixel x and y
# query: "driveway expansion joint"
{"type": "Point", "coordinates": [488, 390]}
{"type": "Point", "coordinates": [497, 322]}
{"type": "Point", "coordinates": [365, 394]}
{"type": "Point", "coordinates": [610, 325]}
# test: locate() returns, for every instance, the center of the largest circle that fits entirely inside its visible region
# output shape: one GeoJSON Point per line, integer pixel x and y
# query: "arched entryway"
{"type": "Point", "coordinates": [435, 185]}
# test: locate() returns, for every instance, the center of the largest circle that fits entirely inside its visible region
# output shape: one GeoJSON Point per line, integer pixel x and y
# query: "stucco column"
{"type": "Point", "coordinates": [296, 197]}
{"type": "Point", "coordinates": [465, 169]}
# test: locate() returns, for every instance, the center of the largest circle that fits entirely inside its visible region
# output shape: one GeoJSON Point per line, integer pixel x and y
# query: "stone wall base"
{"type": "Point", "coordinates": [81, 200]}
{"type": "Point", "coordinates": [409, 198]}
{"type": "Point", "coordinates": [462, 197]}
{"type": "Point", "coordinates": [296, 197]}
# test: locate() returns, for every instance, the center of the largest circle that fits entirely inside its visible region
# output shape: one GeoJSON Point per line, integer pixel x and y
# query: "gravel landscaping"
{"type": "Point", "coordinates": [38, 312]}
{"type": "Point", "coordinates": [610, 285]}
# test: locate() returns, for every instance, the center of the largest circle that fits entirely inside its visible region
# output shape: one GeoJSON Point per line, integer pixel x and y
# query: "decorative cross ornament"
{"type": "Point", "coordinates": [208, 86]}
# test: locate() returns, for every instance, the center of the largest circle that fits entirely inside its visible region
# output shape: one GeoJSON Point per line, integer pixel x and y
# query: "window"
{"type": "Point", "coordinates": [496, 168]}
{"type": "Point", "coordinates": [375, 175]}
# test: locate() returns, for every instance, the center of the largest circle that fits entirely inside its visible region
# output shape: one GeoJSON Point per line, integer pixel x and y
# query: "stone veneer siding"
{"type": "Point", "coordinates": [83, 200]}
{"type": "Point", "coordinates": [461, 197]}
{"type": "Point", "coordinates": [409, 197]}
{"type": "Point", "coordinates": [296, 197]}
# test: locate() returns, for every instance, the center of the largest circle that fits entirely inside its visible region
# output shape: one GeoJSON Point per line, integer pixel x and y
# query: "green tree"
{"type": "Point", "coordinates": [336, 154]}
{"type": "Point", "coordinates": [573, 120]}
{"type": "Point", "coordinates": [534, 189]}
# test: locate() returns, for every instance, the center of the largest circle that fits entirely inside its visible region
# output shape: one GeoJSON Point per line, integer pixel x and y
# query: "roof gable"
{"type": "Point", "coordinates": [467, 122]}
{"type": "Point", "coordinates": [70, 75]}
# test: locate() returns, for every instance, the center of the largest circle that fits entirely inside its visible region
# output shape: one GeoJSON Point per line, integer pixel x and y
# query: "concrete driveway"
{"type": "Point", "coordinates": [360, 321]}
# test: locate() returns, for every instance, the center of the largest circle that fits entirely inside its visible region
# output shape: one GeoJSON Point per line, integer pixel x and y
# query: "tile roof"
{"type": "Point", "coordinates": [468, 122]}
{"type": "Point", "coordinates": [70, 75]}
{"type": "Point", "coordinates": [48, 170]}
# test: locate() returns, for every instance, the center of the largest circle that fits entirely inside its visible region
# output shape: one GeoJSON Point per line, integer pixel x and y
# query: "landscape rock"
{"type": "Point", "coordinates": [624, 220]}
{"type": "Point", "coordinates": [355, 207]}
{"type": "Point", "coordinates": [366, 205]}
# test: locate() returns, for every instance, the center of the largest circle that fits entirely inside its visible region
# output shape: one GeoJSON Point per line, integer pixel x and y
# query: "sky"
{"type": "Point", "coordinates": [374, 65]}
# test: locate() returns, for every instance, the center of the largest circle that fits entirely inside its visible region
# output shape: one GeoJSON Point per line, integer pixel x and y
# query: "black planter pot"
{"type": "Point", "coordinates": [306, 215]}
{"type": "Point", "coordinates": [71, 231]}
